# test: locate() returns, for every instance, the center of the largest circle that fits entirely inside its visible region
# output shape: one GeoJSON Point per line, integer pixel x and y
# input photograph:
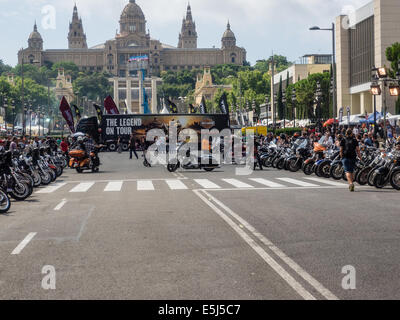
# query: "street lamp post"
{"type": "Point", "coordinates": [318, 97]}
{"type": "Point", "coordinates": [284, 107]}
{"type": "Point", "coordinates": [381, 75]}
{"type": "Point", "coordinates": [294, 99]}
{"type": "Point", "coordinates": [23, 89]}
{"type": "Point", "coordinates": [333, 65]}
{"type": "Point", "coordinates": [13, 115]}
{"type": "Point", "coordinates": [275, 107]}
{"type": "Point", "coordinates": [267, 107]}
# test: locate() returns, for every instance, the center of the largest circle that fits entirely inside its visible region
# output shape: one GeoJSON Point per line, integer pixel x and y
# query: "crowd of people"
{"type": "Point", "coordinates": [333, 135]}
{"type": "Point", "coordinates": [348, 140]}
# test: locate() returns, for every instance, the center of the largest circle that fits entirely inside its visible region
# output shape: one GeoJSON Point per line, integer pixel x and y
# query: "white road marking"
{"type": "Point", "coordinates": [60, 205]}
{"type": "Point", "coordinates": [54, 187]}
{"type": "Point", "coordinates": [260, 251]}
{"type": "Point", "coordinates": [145, 185]}
{"type": "Point", "coordinates": [176, 185]}
{"type": "Point", "coordinates": [292, 264]}
{"type": "Point", "coordinates": [268, 183]}
{"type": "Point", "coordinates": [328, 182]}
{"type": "Point", "coordinates": [298, 182]}
{"type": "Point", "coordinates": [23, 243]}
{"type": "Point", "coordinates": [207, 184]}
{"type": "Point", "coordinates": [237, 183]}
{"type": "Point", "coordinates": [82, 187]}
{"type": "Point", "coordinates": [115, 186]}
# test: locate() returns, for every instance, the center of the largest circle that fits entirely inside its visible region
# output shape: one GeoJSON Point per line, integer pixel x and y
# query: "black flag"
{"type": "Point", "coordinates": [77, 112]}
{"type": "Point", "coordinates": [203, 106]}
{"type": "Point", "coordinates": [223, 104]}
{"type": "Point", "coordinates": [192, 109]}
{"type": "Point", "coordinates": [172, 106]}
{"type": "Point", "coordinates": [99, 112]}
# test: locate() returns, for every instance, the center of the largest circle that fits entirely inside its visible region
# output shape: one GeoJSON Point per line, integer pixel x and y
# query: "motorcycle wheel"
{"type": "Point", "coordinates": [37, 180]}
{"type": "Point", "coordinates": [172, 167]}
{"type": "Point", "coordinates": [280, 164]}
{"type": "Point", "coordinates": [28, 178]}
{"type": "Point", "coordinates": [209, 169]}
{"type": "Point", "coordinates": [395, 179]}
{"type": "Point", "coordinates": [324, 170]}
{"type": "Point", "coordinates": [293, 166]}
{"type": "Point", "coordinates": [95, 169]}
{"type": "Point", "coordinates": [267, 162]}
{"type": "Point", "coordinates": [79, 170]}
{"type": "Point", "coordinates": [379, 181]}
{"type": "Point", "coordinates": [59, 171]}
{"type": "Point", "coordinates": [371, 177]}
{"type": "Point", "coordinates": [336, 171]}
{"type": "Point", "coordinates": [362, 177]}
{"type": "Point", "coordinates": [112, 147]}
{"type": "Point", "coordinates": [53, 175]}
{"type": "Point", "coordinates": [21, 191]}
{"type": "Point", "coordinates": [307, 168]}
{"type": "Point", "coordinates": [5, 202]}
{"type": "Point", "coordinates": [45, 177]}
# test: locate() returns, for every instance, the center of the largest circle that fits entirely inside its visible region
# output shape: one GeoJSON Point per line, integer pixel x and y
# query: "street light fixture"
{"type": "Point", "coordinates": [394, 90]}
{"type": "Point", "coordinates": [316, 28]}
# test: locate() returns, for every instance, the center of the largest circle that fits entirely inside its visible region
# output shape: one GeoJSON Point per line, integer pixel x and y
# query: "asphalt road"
{"type": "Point", "coordinates": [131, 232]}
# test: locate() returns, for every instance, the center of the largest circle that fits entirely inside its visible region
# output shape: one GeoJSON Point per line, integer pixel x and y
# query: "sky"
{"type": "Point", "coordinates": [260, 26]}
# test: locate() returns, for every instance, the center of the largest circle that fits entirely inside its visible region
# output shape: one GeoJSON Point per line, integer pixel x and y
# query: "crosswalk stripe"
{"type": "Point", "coordinates": [114, 186]}
{"type": "Point", "coordinates": [326, 181]}
{"type": "Point", "coordinates": [268, 183]}
{"type": "Point", "coordinates": [176, 185]}
{"type": "Point", "coordinates": [51, 189]}
{"type": "Point", "coordinates": [143, 185]}
{"type": "Point", "coordinates": [298, 182]}
{"type": "Point", "coordinates": [207, 184]}
{"type": "Point", "coordinates": [237, 183]}
{"type": "Point", "coordinates": [82, 187]}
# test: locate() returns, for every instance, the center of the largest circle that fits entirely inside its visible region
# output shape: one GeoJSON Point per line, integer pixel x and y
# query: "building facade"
{"type": "Point", "coordinates": [361, 44]}
{"type": "Point", "coordinates": [133, 39]}
{"type": "Point", "coordinates": [205, 87]}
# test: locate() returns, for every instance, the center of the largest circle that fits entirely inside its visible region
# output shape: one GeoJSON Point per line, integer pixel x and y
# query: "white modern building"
{"type": "Point", "coordinates": [361, 42]}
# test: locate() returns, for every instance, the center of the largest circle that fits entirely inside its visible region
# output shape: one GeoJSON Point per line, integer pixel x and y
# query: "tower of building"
{"type": "Point", "coordinates": [35, 41]}
{"type": "Point", "coordinates": [188, 35]}
{"type": "Point", "coordinates": [132, 20]}
{"type": "Point", "coordinates": [76, 36]}
{"type": "Point", "coordinates": [228, 39]}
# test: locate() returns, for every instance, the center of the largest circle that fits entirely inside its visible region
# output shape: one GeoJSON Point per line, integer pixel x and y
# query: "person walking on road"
{"type": "Point", "coordinates": [132, 147]}
{"type": "Point", "coordinates": [349, 149]}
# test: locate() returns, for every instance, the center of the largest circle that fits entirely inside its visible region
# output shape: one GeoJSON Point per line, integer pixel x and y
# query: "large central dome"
{"type": "Point", "coordinates": [132, 19]}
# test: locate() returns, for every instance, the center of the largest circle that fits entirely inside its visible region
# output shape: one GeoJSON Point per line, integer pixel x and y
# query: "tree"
{"type": "Point", "coordinates": [4, 68]}
{"type": "Point", "coordinates": [393, 55]}
{"type": "Point", "coordinates": [95, 86]}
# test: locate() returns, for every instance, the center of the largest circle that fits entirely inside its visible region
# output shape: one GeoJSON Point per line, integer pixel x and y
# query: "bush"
{"type": "Point", "coordinates": [288, 131]}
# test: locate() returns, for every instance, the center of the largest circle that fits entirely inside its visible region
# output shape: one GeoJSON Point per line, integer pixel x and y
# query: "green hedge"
{"type": "Point", "coordinates": [288, 131]}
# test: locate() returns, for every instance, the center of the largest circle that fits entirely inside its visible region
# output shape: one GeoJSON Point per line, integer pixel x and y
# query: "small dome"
{"type": "Point", "coordinates": [132, 9]}
{"type": "Point", "coordinates": [35, 35]}
{"type": "Point", "coordinates": [228, 34]}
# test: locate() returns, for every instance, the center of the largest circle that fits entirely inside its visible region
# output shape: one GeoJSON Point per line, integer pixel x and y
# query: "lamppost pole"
{"type": "Point", "coordinates": [294, 98]}
{"type": "Point", "coordinates": [22, 97]}
{"type": "Point", "coordinates": [333, 65]}
{"type": "Point", "coordinates": [284, 107]}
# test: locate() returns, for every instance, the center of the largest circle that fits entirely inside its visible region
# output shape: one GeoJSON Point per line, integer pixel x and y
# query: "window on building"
{"type": "Point", "coordinates": [175, 67]}
{"type": "Point", "coordinates": [132, 28]}
{"type": "Point", "coordinates": [155, 60]}
{"type": "Point", "coordinates": [75, 33]}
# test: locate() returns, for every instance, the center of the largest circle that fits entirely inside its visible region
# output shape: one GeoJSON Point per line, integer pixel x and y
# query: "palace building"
{"type": "Point", "coordinates": [133, 40]}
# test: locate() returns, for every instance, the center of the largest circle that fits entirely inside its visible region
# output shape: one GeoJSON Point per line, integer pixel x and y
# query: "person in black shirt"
{"type": "Point", "coordinates": [132, 147]}
{"type": "Point", "coordinates": [349, 149]}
